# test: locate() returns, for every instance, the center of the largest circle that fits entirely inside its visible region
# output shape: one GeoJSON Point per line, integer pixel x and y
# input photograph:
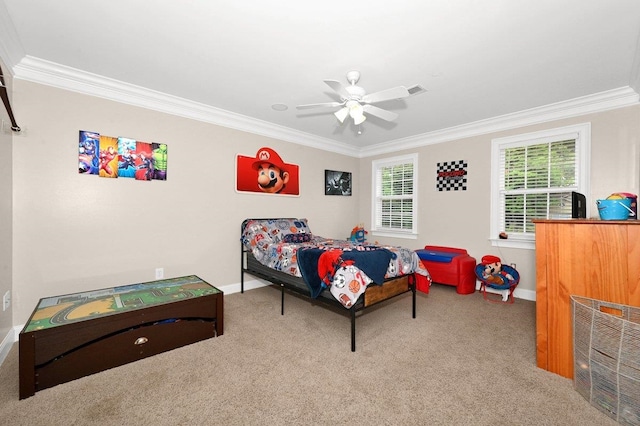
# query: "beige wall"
{"type": "Point", "coordinates": [6, 200]}
{"type": "Point", "coordinates": [461, 218]}
{"type": "Point", "coordinates": [75, 232]}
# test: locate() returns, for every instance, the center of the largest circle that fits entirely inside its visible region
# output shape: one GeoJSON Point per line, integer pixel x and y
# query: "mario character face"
{"type": "Point", "coordinates": [493, 272]}
{"type": "Point", "coordinates": [492, 268]}
{"type": "Point", "coordinates": [492, 265]}
{"type": "Point", "coordinates": [272, 176]}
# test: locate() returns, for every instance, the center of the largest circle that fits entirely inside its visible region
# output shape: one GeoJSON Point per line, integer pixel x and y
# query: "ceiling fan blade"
{"type": "Point", "coordinates": [379, 112]}
{"type": "Point", "coordinates": [386, 95]}
{"type": "Point", "coordinates": [338, 88]}
{"type": "Point", "coordinates": [321, 105]}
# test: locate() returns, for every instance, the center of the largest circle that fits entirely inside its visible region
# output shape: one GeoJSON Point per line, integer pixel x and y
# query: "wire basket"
{"type": "Point", "coordinates": [606, 353]}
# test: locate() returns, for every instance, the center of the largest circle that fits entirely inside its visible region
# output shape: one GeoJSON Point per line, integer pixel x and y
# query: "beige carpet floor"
{"type": "Point", "coordinates": [462, 361]}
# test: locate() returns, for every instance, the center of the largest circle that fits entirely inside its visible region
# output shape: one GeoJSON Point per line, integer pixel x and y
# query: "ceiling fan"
{"type": "Point", "coordinates": [355, 101]}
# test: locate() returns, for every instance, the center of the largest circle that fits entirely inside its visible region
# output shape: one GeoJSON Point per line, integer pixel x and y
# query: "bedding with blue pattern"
{"type": "Point", "coordinates": [345, 267]}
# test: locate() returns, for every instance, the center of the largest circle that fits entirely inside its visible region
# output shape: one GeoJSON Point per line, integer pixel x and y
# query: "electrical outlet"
{"type": "Point", "coordinates": [6, 300]}
{"type": "Point", "coordinates": [159, 273]}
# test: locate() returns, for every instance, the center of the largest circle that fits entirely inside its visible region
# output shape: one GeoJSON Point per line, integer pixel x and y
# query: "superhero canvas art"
{"type": "Point", "coordinates": [113, 157]}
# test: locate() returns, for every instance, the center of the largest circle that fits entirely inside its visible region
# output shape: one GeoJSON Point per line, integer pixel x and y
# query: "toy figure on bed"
{"type": "Point", "coordinates": [358, 234]}
{"type": "Point", "coordinates": [494, 274]}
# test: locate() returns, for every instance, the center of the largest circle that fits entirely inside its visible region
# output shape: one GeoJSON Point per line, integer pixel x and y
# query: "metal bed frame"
{"type": "Point", "coordinates": [295, 285]}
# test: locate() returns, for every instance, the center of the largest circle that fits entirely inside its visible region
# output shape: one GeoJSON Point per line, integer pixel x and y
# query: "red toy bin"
{"type": "Point", "coordinates": [450, 266]}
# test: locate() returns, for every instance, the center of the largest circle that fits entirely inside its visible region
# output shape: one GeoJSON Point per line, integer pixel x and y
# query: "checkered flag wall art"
{"type": "Point", "coordinates": [452, 175]}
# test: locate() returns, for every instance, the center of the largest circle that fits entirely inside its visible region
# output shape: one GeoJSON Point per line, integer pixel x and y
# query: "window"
{"type": "Point", "coordinates": [395, 201]}
{"type": "Point", "coordinates": [532, 177]}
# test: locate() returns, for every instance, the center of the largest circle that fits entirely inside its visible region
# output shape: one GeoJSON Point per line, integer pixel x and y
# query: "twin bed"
{"type": "Point", "coordinates": [342, 274]}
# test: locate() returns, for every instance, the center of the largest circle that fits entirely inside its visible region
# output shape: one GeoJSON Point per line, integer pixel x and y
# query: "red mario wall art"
{"type": "Point", "coordinates": [266, 173]}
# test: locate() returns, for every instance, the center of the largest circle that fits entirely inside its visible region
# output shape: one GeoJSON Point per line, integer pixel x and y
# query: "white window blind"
{"type": "Point", "coordinates": [394, 198]}
{"type": "Point", "coordinates": [536, 183]}
{"type": "Point", "coordinates": [533, 177]}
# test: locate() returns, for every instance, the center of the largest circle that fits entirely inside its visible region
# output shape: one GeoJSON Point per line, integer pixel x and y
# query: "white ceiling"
{"type": "Point", "coordinates": [484, 64]}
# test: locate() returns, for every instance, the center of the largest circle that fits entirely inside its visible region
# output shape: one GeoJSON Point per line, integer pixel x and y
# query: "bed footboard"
{"type": "Point", "coordinates": [373, 295]}
{"type": "Point", "coordinates": [391, 288]}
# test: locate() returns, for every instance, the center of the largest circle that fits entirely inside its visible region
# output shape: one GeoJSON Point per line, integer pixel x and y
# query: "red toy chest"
{"type": "Point", "coordinates": [450, 266]}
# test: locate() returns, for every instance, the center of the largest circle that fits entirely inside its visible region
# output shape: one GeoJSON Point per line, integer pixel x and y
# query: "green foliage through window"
{"type": "Point", "coordinates": [536, 183]}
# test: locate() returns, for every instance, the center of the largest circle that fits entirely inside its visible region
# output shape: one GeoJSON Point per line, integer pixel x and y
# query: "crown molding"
{"type": "Point", "coordinates": [56, 75]}
{"type": "Point", "coordinates": [52, 74]}
{"type": "Point", "coordinates": [599, 102]}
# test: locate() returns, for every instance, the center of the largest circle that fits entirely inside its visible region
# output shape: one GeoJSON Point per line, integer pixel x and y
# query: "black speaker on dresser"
{"type": "Point", "coordinates": [578, 205]}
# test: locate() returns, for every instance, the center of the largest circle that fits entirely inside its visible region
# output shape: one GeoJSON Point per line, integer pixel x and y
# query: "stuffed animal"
{"type": "Point", "coordinates": [494, 274]}
{"type": "Point", "coordinates": [358, 234]}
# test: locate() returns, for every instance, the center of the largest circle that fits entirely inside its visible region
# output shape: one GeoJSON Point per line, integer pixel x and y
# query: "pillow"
{"type": "Point", "coordinates": [296, 238]}
{"type": "Point", "coordinates": [255, 235]}
{"type": "Point", "coordinates": [278, 228]}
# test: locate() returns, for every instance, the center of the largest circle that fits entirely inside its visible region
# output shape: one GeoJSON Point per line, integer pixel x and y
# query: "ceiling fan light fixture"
{"type": "Point", "coordinates": [358, 119]}
{"type": "Point", "coordinates": [356, 111]}
{"type": "Point", "coordinates": [341, 114]}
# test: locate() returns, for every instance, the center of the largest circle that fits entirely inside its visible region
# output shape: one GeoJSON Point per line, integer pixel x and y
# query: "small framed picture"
{"type": "Point", "coordinates": [337, 183]}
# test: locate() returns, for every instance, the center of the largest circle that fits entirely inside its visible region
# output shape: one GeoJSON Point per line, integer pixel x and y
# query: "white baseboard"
{"type": "Point", "coordinates": [517, 293]}
{"type": "Point", "coordinates": [8, 341]}
{"type": "Point", "coordinates": [248, 285]}
{"type": "Point", "coordinates": [525, 294]}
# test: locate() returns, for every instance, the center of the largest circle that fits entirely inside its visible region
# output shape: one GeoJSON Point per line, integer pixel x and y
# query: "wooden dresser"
{"type": "Point", "coordinates": [591, 258]}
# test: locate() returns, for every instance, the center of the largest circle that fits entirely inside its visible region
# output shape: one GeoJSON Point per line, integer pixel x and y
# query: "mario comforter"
{"type": "Point", "coordinates": [344, 267]}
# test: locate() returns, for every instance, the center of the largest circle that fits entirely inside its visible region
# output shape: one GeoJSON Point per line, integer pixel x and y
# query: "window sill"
{"type": "Point", "coordinates": [391, 234]}
{"type": "Point", "coordinates": [513, 243]}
